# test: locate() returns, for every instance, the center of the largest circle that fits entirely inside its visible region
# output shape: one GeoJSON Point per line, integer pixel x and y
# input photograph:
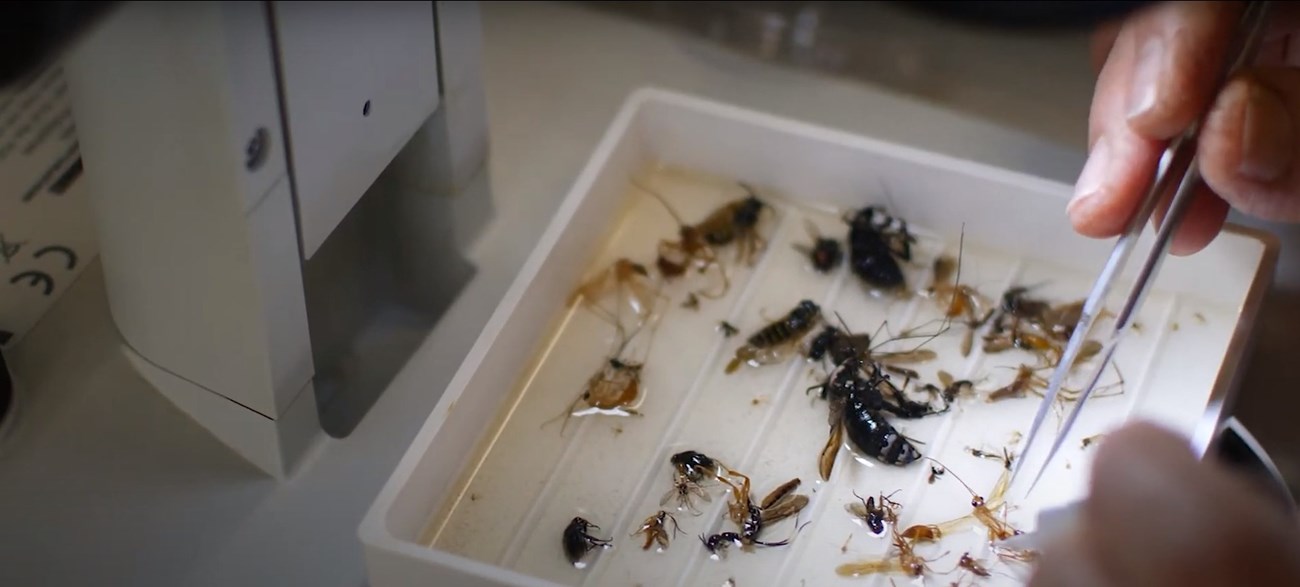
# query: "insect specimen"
{"type": "Point", "coordinates": [982, 509]}
{"type": "Point", "coordinates": [727, 329]}
{"type": "Point", "coordinates": [936, 471]}
{"type": "Point", "coordinates": [1090, 440]}
{"type": "Point", "coordinates": [825, 253]}
{"type": "Point", "coordinates": [855, 405]}
{"type": "Point", "coordinates": [960, 301]}
{"type": "Point", "coordinates": [826, 460]}
{"type": "Point", "coordinates": [1026, 380]}
{"type": "Point", "coordinates": [1036, 326]}
{"type": "Point", "coordinates": [952, 388]}
{"type": "Point", "coordinates": [906, 561]}
{"type": "Point", "coordinates": [578, 541]}
{"type": "Point", "coordinates": [614, 390]}
{"type": "Point", "coordinates": [717, 544]}
{"type": "Point", "coordinates": [736, 222]}
{"type": "Point", "coordinates": [692, 470]}
{"type": "Point", "coordinates": [697, 466]}
{"type": "Point", "coordinates": [1006, 457]}
{"type": "Point", "coordinates": [780, 504]}
{"type": "Point", "coordinates": [773, 342]}
{"type": "Point", "coordinates": [692, 302]}
{"type": "Point", "coordinates": [875, 514]}
{"type": "Point", "coordinates": [972, 565]}
{"type": "Point", "coordinates": [877, 242]}
{"type": "Point", "coordinates": [923, 533]}
{"type": "Point", "coordinates": [685, 491]}
{"type": "Point", "coordinates": [630, 283]}
{"type": "Point", "coordinates": [655, 529]}
{"type": "Point", "coordinates": [837, 345]}
{"type": "Point", "coordinates": [753, 518]}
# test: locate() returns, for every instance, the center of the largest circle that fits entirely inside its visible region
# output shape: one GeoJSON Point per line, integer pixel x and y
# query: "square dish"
{"type": "Point", "coordinates": [489, 483]}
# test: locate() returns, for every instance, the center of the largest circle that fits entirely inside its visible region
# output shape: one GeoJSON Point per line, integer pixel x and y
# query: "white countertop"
{"type": "Point", "coordinates": [105, 483]}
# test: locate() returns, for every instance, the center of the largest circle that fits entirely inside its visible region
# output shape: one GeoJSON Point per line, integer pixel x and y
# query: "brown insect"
{"type": "Point", "coordinates": [1090, 440]}
{"type": "Point", "coordinates": [983, 509]}
{"type": "Point", "coordinates": [727, 329]}
{"type": "Point", "coordinates": [614, 389]}
{"type": "Point", "coordinates": [1036, 326]}
{"type": "Point", "coordinates": [782, 502]}
{"type": "Point", "coordinates": [734, 222]}
{"type": "Point", "coordinates": [826, 462]}
{"type": "Point", "coordinates": [737, 222]}
{"type": "Point", "coordinates": [972, 565]}
{"type": "Point", "coordinates": [906, 561]}
{"type": "Point", "coordinates": [923, 533]}
{"type": "Point", "coordinates": [655, 530]}
{"type": "Point", "coordinates": [960, 302]}
{"type": "Point", "coordinates": [627, 281]}
{"type": "Point", "coordinates": [753, 518]}
{"type": "Point", "coordinates": [775, 341]}
{"type": "Point", "coordinates": [1026, 380]}
{"type": "Point", "coordinates": [935, 472]}
{"type": "Point", "coordinates": [1006, 457]}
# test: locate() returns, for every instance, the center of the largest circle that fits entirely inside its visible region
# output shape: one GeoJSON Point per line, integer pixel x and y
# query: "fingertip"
{"type": "Point", "coordinates": [1137, 489]}
{"type": "Point", "coordinates": [1086, 220]}
{"type": "Point", "coordinates": [1142, 442]}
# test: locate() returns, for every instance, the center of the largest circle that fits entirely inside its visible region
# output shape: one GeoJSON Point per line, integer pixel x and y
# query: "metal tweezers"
{"type": "Point", "coordinates": [1181, 173]}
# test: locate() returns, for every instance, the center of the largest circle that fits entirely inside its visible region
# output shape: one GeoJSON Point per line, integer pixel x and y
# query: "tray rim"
{"type": "Point", "coordinates": [373, 532]}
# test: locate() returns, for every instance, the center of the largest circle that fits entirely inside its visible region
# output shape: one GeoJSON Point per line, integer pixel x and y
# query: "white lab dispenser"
{"type": "Point", "coordinates": [281, 191]}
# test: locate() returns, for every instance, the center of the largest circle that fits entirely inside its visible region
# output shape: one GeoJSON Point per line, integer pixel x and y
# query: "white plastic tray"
{"type": "Point", "coordinates": [485, 490]}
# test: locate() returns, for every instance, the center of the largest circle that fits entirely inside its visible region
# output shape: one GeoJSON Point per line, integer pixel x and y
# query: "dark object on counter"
{"type": "Point", "coordinates": [1029, 16]}
{"type": "Point", "coordinates": [34, 34]}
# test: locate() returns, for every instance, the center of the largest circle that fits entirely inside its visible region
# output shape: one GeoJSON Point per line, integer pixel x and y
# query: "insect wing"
{"type": "Point", "coordinates": [787, 506]}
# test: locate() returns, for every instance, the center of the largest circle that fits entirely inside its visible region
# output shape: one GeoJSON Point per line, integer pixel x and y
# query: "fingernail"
{"type": "Point", "coordinates": [1146, 73]}
{"type": "Point", "coordinates": [1093, 174]}
{"type": "Point", "coordinates": [1267, 145]}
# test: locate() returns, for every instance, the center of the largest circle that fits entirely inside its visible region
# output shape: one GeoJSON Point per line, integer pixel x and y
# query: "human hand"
{"type": "Point", "coordinates": [1160, 67]}
{"type": "Point", "coordinates": [1157, 516]}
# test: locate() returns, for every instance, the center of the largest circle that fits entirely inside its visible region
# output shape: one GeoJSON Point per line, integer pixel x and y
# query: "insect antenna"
{"type": "Point", "coordinates": [671, 211]}
{"type": "Point", "coordinates": [954, 476]}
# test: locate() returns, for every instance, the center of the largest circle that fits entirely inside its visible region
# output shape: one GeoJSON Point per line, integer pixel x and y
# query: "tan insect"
{"type": "Point", "coordinates": [960, 301]}
{"type": "Point", "coordinates": [779, 339]}
{"type": "Point", "coordinates": [735, 222]}
{"type": "Point", "coordinates": [630, 284]}
{"type": "Point", "coordinates": [905, 561]}
{"type": "Point", "coordinates": [655, 530]}
{"type": "Point", "coordinates": [614, 390]}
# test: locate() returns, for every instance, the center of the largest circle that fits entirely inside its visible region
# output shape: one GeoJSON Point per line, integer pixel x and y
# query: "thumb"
{"type": "Point", "coordinates": [1250, 145]}
{"type": "Point", "coordinates": [1158, 516]}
